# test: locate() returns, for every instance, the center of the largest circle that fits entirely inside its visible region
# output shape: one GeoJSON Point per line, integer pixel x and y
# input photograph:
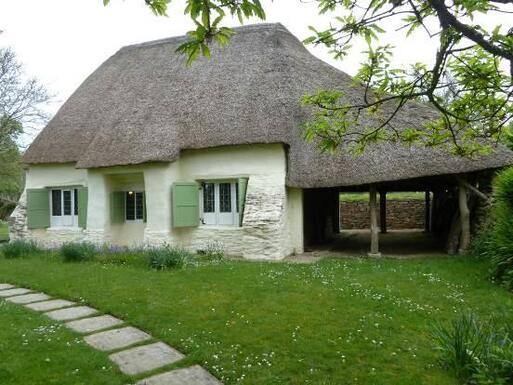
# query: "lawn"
{"type": "Point", "coordinates": [336, 322]}
{"type": "Point", "coordinates": [35, 350]}
{"type": "Point", "coordinates": [4, 232]}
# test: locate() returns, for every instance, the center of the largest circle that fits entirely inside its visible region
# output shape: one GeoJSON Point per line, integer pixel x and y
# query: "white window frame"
{"type": "Point", "coordinates": [135, 206]}
{"type": "Point", "coordinates": [64, 220]}
{"type": "Point", "coordinates": [218, 218]}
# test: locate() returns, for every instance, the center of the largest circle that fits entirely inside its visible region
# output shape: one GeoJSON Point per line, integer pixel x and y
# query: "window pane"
{"type": "Point", "coordinates": [139, 205]}
{"type": "Point", "coordinates": [225, 197]}
{"type": "Point", "coordinates": [66, 198]}
{"type": "Point", "coordinates": [208, 198]}
{"type": "Point", "coordinates": [130, 206]}
{"type": "Point", "coordinates": [236, 197]}
{"type": "Point", "coordinates": [56, 203]}
{"type": "Point", "coordinates": [75, 201]}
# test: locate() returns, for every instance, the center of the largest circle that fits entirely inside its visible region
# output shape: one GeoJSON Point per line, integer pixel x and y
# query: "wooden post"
{"type": "Point", "coordinates": [383, 211]}
{"type": "Point", "coordinates": [427, 219]}
{"type": "Point", "coordinates": [464, 217]}
{"type": "Point", "coordinates": [374, 249]}
{"type": "Point", "coordinates": [335, 199]}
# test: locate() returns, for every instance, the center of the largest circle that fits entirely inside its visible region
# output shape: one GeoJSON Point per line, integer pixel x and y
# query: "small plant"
{"type": "Point", "coordinates": [77, 251]}
{"type": "Point", "coordinates": [19, 248]}
{"type": "Point", "coordinates": [214, 251]}
{"type": "Point", "coordinates": [121, 255]}
{"type": "Point", "coordinates": [166, 257]}
{"type": "Point", "coordinates": [477, 352]}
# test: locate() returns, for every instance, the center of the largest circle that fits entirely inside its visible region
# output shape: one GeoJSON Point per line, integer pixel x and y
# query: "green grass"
{"type": "Point", "coordinates": [400, 196]}
{"type": "Point", "coordinates": [37, 351]}
{"type": "Point", "coordinates": [4, 232]}
{"type": "Point", "coordinates": [333, 323]}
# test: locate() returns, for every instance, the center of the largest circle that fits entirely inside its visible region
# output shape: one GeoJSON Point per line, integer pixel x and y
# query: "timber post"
{"type": "Point", "coordinates": [374, 249]}
{"type": "Point", "coordinates": [383, 211]}
{"type": "Point", "coordinates": [464, 217]}
{"type": "Point", "coordinates": [427, 219]}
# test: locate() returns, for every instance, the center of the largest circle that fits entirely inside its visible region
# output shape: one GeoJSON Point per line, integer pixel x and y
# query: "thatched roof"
{"type": "Point", "coordinates": [144, 105]}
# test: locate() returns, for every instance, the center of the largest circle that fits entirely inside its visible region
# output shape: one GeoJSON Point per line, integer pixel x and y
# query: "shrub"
{"type": "Point", "coordinates": [166, 257]}
{"type": "Point", "coordinates": [495, 242]}
{"type": "Point", "coordinates": [19, 248]}
{"type": "Point", "coordinates": [476, 352]}
{"type": "Point", "coordinates": [77, 251]}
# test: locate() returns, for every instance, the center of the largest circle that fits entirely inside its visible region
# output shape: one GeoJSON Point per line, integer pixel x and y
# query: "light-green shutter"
{"type": "Point", "coordinates": [185, 204]}
{"type": "Point", "coordinates": [243, 184]}
{"type": "Point", "coordinates": [117, 207]}
{"type": "Point", "coordinates": [82, 207]}
{"type": "Point", "coordinates": [38, 208]}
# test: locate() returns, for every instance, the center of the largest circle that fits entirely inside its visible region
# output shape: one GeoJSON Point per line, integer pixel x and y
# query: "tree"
{"type": "Point", "coordinates": [474, 64]}
{"type": "Point", "coordinates": [20, 108]}
{"type": "Point", "coordinates": [21, 99]}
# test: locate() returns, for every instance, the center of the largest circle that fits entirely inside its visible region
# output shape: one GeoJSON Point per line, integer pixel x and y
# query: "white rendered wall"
{"type": "Point", "coordinates": [273, 217]}
{"type": "Point", "coordinates": [42, 176]}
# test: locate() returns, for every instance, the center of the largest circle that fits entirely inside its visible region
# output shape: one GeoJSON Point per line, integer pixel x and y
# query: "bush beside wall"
{"type": "Point", "coordinates": [495, 241]}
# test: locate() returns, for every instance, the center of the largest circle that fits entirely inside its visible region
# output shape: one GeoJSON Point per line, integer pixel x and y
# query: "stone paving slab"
{"type": "Point", "coordinates": [4, 286]}
{"type": "Point", "coordinates": [145, 358]}
{"type": "Point", "coordinates": [117, 338]}
{"type": "Point", "coordinates": [28, 298]}
{"type": "Point", "coordinates": [93, 324]}
{"type": "Point", "coordinates": [194, 375]}
{"type": "Point", "coordinates": [11, 292]}
{"type": "Point", "coordinates": [50, 305]}
{"type": "Point", "coordinates": [71, 313]}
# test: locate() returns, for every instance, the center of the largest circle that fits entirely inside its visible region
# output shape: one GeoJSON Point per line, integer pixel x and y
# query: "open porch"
{"type": "Point", "coordinates": [452, 210]}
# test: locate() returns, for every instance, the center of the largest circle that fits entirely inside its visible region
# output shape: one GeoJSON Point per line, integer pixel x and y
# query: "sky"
{"type": "Point", "coordinates": [61, 42]}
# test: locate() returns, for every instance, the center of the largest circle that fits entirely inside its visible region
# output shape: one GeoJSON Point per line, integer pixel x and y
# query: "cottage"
{"type": "Point", "coordinates": [148, 151]}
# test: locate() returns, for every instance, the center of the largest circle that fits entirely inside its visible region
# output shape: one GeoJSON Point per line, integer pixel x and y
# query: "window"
{"type": "Point", "coordinates": [64, 207]}
{"type": "Point", "coordinates": [219, 203]}
{"type": "Point", "coordinates": [134, 206]}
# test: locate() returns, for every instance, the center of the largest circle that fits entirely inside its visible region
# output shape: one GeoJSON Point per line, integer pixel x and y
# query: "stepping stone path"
{"type": "Point", "coordinates": [28, 298]}
{"type": "Point", "coordinates": [147, 357]}
{"type": "Point", "coordinates": [71, 313]}
{"type": "Point", "coordinates": [193, 375]}
{"type": "Point", "coordinates": [50, 305]}
{"type": "Point", "coordinates": [11, 292]}
{"type": "Point", "coordinates": [109, 334]}
{"type": "Point", "coordinates": [94, 324]}
{"type": "Point", "coordinates": [116, 339]}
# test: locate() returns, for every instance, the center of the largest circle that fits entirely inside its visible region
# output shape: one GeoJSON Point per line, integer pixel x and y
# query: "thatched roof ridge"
{"type": "Point", "coordinates": [144, 105]}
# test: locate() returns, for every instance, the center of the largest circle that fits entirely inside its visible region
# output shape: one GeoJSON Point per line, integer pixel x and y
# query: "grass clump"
{"type": "Point", "coordinates": [495, 242]}
{"type": "Point", "coordinates": [77, 251]}
{"type": "Point", "coordinates": [166, 257]}
{"type": "Point", "coordinates": [476, 352]}
{"type": "Point", "coordinates": [19, 248]}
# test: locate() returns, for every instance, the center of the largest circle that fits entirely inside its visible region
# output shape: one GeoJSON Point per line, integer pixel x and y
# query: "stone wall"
{"type": "Point", "coordinates": [401, 214]}
{"type": "Point", "coordinates": [18, 219]}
